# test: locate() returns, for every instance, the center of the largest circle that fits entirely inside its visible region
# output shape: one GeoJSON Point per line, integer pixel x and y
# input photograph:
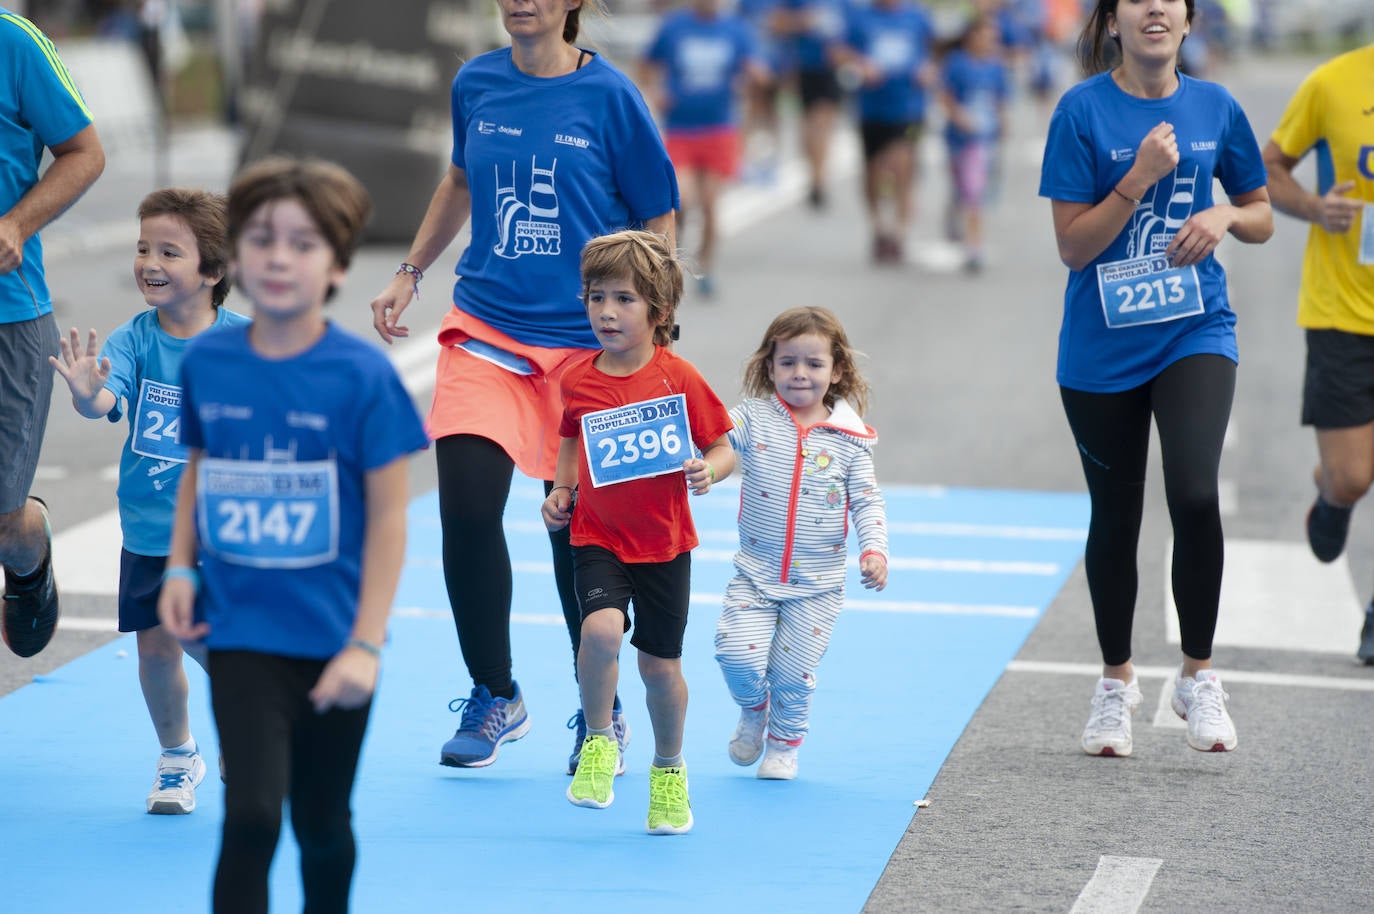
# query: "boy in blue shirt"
{"type": "Point", "coordinates": [180, 265]}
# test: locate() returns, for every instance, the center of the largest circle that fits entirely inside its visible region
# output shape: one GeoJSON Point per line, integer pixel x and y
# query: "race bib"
{"type": "Point", "coordinates": [644, 439]}
{"type": "Point", "coordinates": [1146, 290]}
{"type": "Point", "coordinates": [1367, 235]}
{"type": "Point", "coordinates": [269, 515]}
{"type": "Point", "coordinates": [157, 422]}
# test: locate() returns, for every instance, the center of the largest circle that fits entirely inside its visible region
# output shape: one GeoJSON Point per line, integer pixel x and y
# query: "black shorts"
{"type": "Point", "coordinates": [140, 584]}
{"type": "Point", "coordinates": [819, 85]}
{"type": "Point", "coordinates": [1338, 388]}
{"type": "Point", "coordinates": [660, 590]}
{"type": "Point", "coordinates": [878, 135]}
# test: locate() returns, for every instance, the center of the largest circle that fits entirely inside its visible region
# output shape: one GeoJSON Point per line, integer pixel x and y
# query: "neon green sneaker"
{"type": "Point", "coordinates": [670, 810]}
{"type": "Point", "coordinates": [595, 775]}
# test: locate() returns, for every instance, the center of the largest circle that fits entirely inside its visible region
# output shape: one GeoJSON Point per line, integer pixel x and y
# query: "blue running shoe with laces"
{"type": "Point", "coordinates": [578, 724]}
{"type": "Point", "coordinates": [487, 723]}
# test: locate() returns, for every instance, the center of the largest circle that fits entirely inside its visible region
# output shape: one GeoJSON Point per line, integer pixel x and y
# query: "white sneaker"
{"type": "Point", "coordinates": [174, 791]}
{"type": "Point", "coordinates": [747, 744]}
{"type": "Point", "coordinates": [779, 761]}
{"type": "Point", "coordinates": [1109, 726]}
{"type": "Point", "coordinates": [1202, 703]}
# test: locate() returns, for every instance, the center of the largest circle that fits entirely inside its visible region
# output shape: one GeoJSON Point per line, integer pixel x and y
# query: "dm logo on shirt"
{"type": "Point", "coordinates": [1162, 213]}
{"type": "Point", "coordinates": [528, 226]}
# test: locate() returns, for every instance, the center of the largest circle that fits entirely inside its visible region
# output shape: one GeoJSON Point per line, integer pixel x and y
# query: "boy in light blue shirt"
{"type": "Point", "coordinates": [180, 269]}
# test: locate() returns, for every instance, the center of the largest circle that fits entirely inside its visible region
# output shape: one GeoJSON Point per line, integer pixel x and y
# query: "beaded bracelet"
{"type": "Point", "coordinates": [414, 272]}
{"type": "Point", "coordinates": [1131, 200]}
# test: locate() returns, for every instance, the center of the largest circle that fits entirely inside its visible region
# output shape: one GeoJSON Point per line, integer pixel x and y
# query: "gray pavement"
{"type": "Point", "coordinates": [964, 373]}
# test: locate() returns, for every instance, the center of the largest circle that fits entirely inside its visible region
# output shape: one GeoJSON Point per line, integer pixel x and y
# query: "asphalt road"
{"type": "Point", "coordinates": [963, 368]}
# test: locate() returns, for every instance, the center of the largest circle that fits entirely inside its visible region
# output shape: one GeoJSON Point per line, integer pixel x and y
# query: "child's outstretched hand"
{"type": "Point", "coordinates": [557, 508]}
{"type": "Point", "coordinates": [700, 475]}
{"type": "Point", "coordinates": [873, 568]}
{"type": "Point", "coordinates": [347, 682]}
{"type": "Point", "coordinates": [85, 373]}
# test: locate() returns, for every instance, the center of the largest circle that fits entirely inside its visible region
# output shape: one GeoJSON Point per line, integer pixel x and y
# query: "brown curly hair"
{"type": "Point", "coordinates": [796, 322]}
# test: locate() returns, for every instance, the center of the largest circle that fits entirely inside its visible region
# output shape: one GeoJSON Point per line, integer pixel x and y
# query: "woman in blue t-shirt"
{"type": "Point", "coordinates": [1148, 331]}
{"type": "Point", "coordinates": [552, 146]}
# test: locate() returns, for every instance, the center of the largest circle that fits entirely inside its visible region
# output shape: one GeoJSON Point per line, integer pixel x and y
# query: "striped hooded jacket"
{"type": "Point", "coordinates": [799, 487]}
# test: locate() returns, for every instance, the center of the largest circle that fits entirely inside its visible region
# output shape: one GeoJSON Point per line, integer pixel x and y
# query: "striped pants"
{"type": "Point", "coordinates": [769, 649]}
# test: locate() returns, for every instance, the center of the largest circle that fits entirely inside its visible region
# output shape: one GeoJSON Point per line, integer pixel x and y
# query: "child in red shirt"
{"type": "Point", "coordinates": [634, 416]}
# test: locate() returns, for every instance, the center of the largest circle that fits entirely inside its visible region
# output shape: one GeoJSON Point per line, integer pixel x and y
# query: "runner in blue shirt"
{"type": "Point", "coordinates": [40, 109]}
{"type": "Point", "coordinates": [552, 146]}
{"type": "Point", "coordinates": [181, 268]}
{"type": "Point", "coordinates": [890, 42]}
{"type": "Point", "coordinates": [1148, 331]}
{"type": "Point", "coordinates": [290, 529]}
{"type": "Point", "coordinates": [813, 28]}
{"type": "Point", "coordinates": [692, 70]}
{"type": "Point", "coordinates": [762, 136]}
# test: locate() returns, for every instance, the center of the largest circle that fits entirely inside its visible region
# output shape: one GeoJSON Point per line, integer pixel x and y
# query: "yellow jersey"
{"type": "Point", "coordinates": [1332, 114]}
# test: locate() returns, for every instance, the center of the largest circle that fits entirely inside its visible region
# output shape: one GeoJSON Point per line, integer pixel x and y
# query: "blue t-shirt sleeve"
{"type": "Point", "coordinates": [48, 98]}
{"type": "Point", "coordinates": [1068, 171]}
{"type": "Point", "coordinates": [390, 426]}
{"type": "Point", "coordinates": [644, 174]}
{"type": "Point", "coordinates": [1241, 165]}
{"type": "Point", "coordinates": [119, 349]}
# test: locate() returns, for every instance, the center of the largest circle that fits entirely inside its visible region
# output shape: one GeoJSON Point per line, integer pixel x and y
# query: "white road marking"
{"type": "Point", "coordinates": [1280, 680]}
{"type": "Point", "coordinates": [988, 531]}
{"type": "Point", "coordinates": [86, 556]}
{"type": "Point", "coordinates": [1119, 886]}
{"type": "Point", "coordinates": [1164, 708]}
{"type": "Point", "coordinates": [1277, 595]}
{"type": "Point", "coordinates": [88, 624]}
{"type": "Point", "coordinates": [715, 599]}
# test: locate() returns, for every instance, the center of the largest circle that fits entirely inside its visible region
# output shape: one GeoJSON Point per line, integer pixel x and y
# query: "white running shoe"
{"type": "Point", "coordinates": [1108, 731]}
{"type": "Point", "coordinates": [1202, 703]}
{"type": "Point", "coordinates": [174, 791]}
{"type": "Point", "coordinates": [747, 744]}
{"type": "Point", "coordinates": [779, 761]}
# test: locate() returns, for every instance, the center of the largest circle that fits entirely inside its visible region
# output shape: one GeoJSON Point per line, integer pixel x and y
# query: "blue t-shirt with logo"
{"type": "Point", "coordinates": [981, 85]}
{"type": "Point", "coordinates": [550, 163]}
{"type": "Point", "coordinates": [39, 107]}
{"type": "Point", "coordinates": [1111, 339]}
{"type": "Point", "coordinates": [701, 57]}
{"type": "Point", "coordinates": [145, 378]}
{"type": "Point", "coordinates": [897, 41]}
{"type": "Point", "coordinates": [281, 483]}
{"type": "Point", "coordinates": [773, 51]}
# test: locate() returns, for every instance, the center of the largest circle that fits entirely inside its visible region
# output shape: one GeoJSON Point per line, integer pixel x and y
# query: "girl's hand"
{"type": "Point", "coordinates": [176, 610]}
{"type": "Point", "coordinates": [700, 475]}
{"type": "Point", "coordinates": [1338, 211]}
{"type": "Point", "coordinates": [387, 307]}
{"type": "Point", "coordinates": [557, 508]}
{"type": "Point", "coordinates": [1199, 236]}
{"type": "Point", "coordinates": [873, 569]}
{"type": "Point", "coordinates": [85, 373]}
{"type": "Point", "coordinates": [347, 682]}
{"type": "Point", "coordinates": [1157, 155]}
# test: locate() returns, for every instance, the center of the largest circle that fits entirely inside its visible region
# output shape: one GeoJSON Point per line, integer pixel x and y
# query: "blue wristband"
{"type": "Point", "coordinates": [185, 572]}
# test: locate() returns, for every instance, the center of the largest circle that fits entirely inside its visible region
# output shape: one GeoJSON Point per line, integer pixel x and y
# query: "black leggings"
{"type": "Point", "coordinates": [276, 748]}
{"type": "Point", "coordinates": [1191, 404]}
{"type": "Point", "coordinates": [474, 483]}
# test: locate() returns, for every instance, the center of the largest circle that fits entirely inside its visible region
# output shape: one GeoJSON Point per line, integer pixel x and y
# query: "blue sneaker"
{"type": "Point", "coordinates": [578, 724]}
{"type": "Point", "coordinates": [487, 723]}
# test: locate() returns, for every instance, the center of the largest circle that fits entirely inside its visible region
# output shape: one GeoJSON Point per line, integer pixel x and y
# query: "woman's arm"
{"type": "Point", "coordinates": [1248, 217]}
{"type": "Point", "coordinates": [448, 211]}
{"type": "Point", "coordinates": [665, 225]}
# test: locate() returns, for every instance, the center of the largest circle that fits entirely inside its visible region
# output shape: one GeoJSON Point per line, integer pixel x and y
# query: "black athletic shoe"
{"type": "Point", "coordinates": [1366, 651]}
{"type": "Point", "coordinates": [1327, 527]}
{"type": "Point", "coordinates": [30, 612]}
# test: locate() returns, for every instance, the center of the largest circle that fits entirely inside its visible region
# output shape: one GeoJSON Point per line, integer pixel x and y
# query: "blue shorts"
{"type": "Point", "coordinates": [140, 584]}
{"type": "Point", "coordinates": [660, 590]}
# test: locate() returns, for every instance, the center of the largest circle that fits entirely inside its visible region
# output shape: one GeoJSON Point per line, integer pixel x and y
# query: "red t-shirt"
{"type": "Point", "coordinates": [639, 520]}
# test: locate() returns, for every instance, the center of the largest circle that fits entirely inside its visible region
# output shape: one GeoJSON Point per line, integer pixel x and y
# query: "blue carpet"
{"type": "Point", "coordinates": [907, 668]}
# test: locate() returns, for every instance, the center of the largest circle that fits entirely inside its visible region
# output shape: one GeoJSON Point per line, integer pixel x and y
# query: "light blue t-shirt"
{"type": "Point", "coordinates": [281, 484]}
{"type": "Point", "coordinates": [1093, 137]}
{"type": "Point", "coordinates": [145, 368]}
{"type": "Point", "coordinates": [551, 164]}
{"type": "Point", "coordinates": [897, 40]}
{"type": "Point", "coordinates": [701, 59]}
{"type": "Point", "coordinates": [39, 107]}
